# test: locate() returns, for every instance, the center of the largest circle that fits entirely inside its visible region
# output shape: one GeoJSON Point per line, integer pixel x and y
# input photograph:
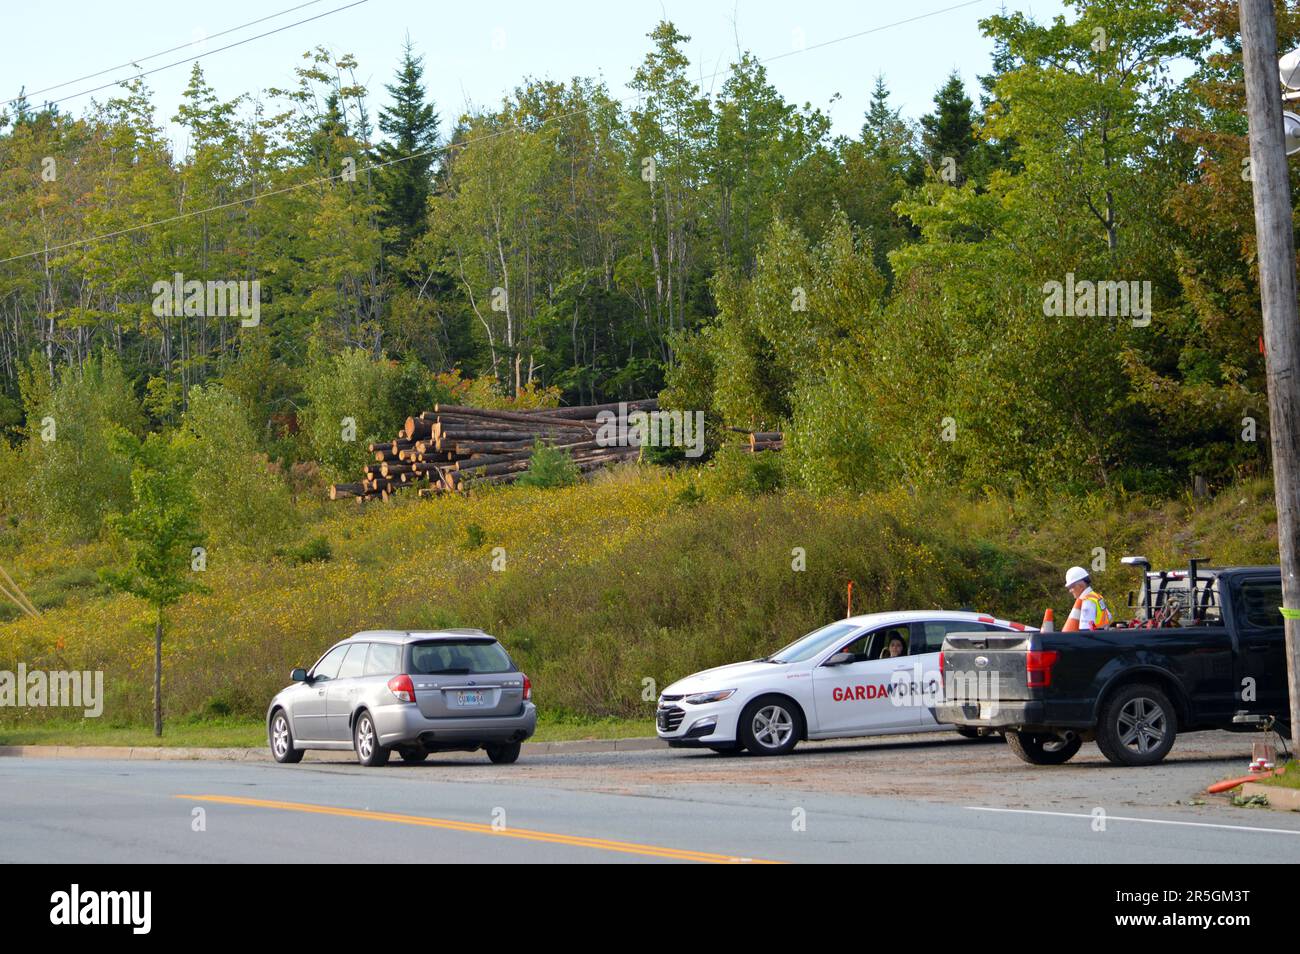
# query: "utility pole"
{"type": "Point", "coordinates": [1275, 242]}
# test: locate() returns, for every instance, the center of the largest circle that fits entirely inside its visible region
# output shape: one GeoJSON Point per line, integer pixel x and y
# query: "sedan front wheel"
{"type": "Point", "coordinates": [771, 725]}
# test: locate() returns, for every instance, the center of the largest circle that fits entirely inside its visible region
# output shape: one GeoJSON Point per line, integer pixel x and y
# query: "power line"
{"type": "Point", "coordinates": [319, 180]}
{"type": "Point", "coordinates": [153, 56]}
{"type": "Point", "coordinates": [192, 59]}
{"type": "Point", "coordinates": [887, 26]}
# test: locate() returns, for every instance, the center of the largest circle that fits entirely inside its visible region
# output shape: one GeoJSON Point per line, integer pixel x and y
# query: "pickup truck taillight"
{"type": "Point", "coordinates": [402, 687]}
{"type": "Point", "coordinates": [941, 670]}
{"type": "Point", "coordinates": [1038, 666]}
{"type": "Point", "coordinates": [528, 689]}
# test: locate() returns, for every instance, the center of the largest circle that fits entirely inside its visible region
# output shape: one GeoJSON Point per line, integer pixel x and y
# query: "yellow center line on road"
{"type": "Point", "coordinates": [576, 841]}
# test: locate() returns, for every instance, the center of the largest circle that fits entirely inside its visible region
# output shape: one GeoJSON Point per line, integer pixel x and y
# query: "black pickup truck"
{"type": "Point", "coordinates": [1205, 651]}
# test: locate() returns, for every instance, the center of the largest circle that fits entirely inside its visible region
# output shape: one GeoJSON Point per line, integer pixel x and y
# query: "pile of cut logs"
{"type": "Point", "coordinates": [452, 448]}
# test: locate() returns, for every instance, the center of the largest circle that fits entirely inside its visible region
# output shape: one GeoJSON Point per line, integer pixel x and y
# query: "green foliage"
{"type": "Point", "coordinates": [610, 582]}
{"type": "Point", "coordinates": [716, 243]}
{"type": "Point", "coordinates": [315, 550]}
{"type": "Point", "coordinates": [74, 477]}
{"type": "Point", "coordinates": [833, 443]}
{"type": "Point", "coordinates": [549, 467]}
{"type": "Point", "coordinates": [162, 526]}
{"type": "Point", "coordinates": [240, 499]}
{"type": "Point", "coordinates": [735, 471]}
{"type": "Point", "coordinates": [773, 333]}
{"type": "Point", "coordinates": [353, 400]}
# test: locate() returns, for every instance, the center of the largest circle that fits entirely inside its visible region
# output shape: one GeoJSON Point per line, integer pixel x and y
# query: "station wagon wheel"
{"type": "Point", "coordinates": [1138, 726]}
{"type": "Point", "coordinates": [365, 740]}
{"type": "Point", "coordinates": [282, 749]}
{"type": "Point", "coordinates": [504, 753]}
{"type": "Point", "coordinates": [771, 725]}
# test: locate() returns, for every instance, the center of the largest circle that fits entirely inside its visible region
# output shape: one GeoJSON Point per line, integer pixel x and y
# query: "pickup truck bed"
{"type": "Point", "coordinates": [1132, 690]}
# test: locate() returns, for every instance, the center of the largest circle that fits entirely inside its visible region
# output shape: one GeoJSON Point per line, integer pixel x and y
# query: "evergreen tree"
{"type": "Point", "coordinates": [949, 132]}
{"type": "Point", "coordinates": [411, 125]}
{"type": "Point", "coordinates": [884, 132]}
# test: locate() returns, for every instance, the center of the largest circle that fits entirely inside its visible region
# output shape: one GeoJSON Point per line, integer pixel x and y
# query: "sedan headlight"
{"type": "Point", "coordinates": [700, 698]}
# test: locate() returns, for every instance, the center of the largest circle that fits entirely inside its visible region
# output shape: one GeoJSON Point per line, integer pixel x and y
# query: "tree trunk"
{"type": "Point", "coordinates": [157, 674]}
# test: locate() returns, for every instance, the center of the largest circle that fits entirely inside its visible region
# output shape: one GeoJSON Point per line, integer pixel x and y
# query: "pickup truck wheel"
{"type": "Point", "coordinates": [1138, 725]}
{"type": "Point", "coordinates": [1039, 748]}
{"type": "Point", "coordinates": [770, 725]}
{"type": "Point", "coordinates": [365, 740]}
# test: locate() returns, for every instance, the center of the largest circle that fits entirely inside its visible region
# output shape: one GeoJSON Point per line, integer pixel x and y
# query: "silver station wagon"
{"type": "Point", "coordinates": [413, 693]}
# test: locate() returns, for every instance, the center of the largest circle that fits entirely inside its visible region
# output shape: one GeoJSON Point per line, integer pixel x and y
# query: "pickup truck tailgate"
{"type": "Point", "coordinates": [986, 667]}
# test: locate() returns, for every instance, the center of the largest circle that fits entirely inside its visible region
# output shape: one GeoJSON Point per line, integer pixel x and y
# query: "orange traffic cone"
{"type": "Point", "coordinates": [1072, 624]}
{"type": "Point", "coordinates": [1049, 622]}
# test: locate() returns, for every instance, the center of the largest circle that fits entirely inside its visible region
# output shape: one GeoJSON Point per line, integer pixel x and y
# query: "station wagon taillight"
{"type": "Point", "coordinates": [528, 689]}
{"type": "Point", "coordinates": [1038, 666]}
{"type": "Point", "coordinates": [402, 687]}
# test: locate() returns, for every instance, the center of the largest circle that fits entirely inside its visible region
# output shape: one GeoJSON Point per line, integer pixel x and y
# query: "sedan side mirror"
{"type": "Point", "coordinates": [839, 659]}
{"type": "Point", "coordinates": [298, 675]}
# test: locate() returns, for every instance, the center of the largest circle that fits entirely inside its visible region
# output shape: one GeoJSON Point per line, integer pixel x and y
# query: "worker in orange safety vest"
{"type": "Point", "coordinates": [1090, 609]}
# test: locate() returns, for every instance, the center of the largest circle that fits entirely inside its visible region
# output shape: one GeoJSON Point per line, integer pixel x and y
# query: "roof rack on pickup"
{"type": "Point", "coordinates": [1177, 597]}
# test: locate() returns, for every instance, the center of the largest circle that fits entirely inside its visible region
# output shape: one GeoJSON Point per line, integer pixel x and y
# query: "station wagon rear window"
{"type": "Point", "coordinates": [458, 657]}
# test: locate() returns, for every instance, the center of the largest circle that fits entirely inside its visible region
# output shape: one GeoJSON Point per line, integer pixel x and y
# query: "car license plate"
{"type": "Point", "coordinates": [986, 710]}
{"type": "Point", "coordinates": [469, 698]}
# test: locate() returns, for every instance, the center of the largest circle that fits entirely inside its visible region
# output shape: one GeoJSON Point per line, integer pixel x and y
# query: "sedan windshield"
{"type": "Point", "coordinates": [458, 657]}
{"type": "Point", "coordinates": [815, 642]}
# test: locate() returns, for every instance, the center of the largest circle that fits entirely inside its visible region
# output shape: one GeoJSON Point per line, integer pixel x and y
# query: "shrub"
{"type": "Point", "coordinates": [315, 550]}
{"type": "Point", "coordinates": [352, 400]}
{"type": "Point", "coordinates": [549, 467]}
{"type": "Point", "coordinates": [737, 471]}
{"type": "Point", "coordinates": [74, 477]}
{"type": "Point", "coordinates": [240, 497]}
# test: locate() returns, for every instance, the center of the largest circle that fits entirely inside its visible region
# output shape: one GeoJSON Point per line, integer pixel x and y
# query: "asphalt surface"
{"type": "Point", "coordinates": [902, 799]}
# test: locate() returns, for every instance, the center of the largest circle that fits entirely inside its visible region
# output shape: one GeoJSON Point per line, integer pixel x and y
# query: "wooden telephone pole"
{"type": "Point", "coordinates": [1275, 241]}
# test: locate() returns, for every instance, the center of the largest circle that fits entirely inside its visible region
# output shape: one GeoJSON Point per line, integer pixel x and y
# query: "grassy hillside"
{"type": "Point", "coordinates": [641, 574]}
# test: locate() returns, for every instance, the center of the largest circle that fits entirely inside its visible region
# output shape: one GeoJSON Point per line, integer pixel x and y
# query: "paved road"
{"type": "Point", "coordinates": [911, 799]}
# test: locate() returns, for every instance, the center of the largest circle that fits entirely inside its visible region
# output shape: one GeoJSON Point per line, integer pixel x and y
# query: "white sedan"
{"type": "Point", "coordinates": [866, 675]}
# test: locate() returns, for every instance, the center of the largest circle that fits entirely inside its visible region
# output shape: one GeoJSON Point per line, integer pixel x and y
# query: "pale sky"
{"type": "Point", "coordinates": [477, 52]}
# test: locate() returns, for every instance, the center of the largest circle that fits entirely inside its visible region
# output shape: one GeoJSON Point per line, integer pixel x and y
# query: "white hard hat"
{"type": "Point", "coordinates": [1073, 575]}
